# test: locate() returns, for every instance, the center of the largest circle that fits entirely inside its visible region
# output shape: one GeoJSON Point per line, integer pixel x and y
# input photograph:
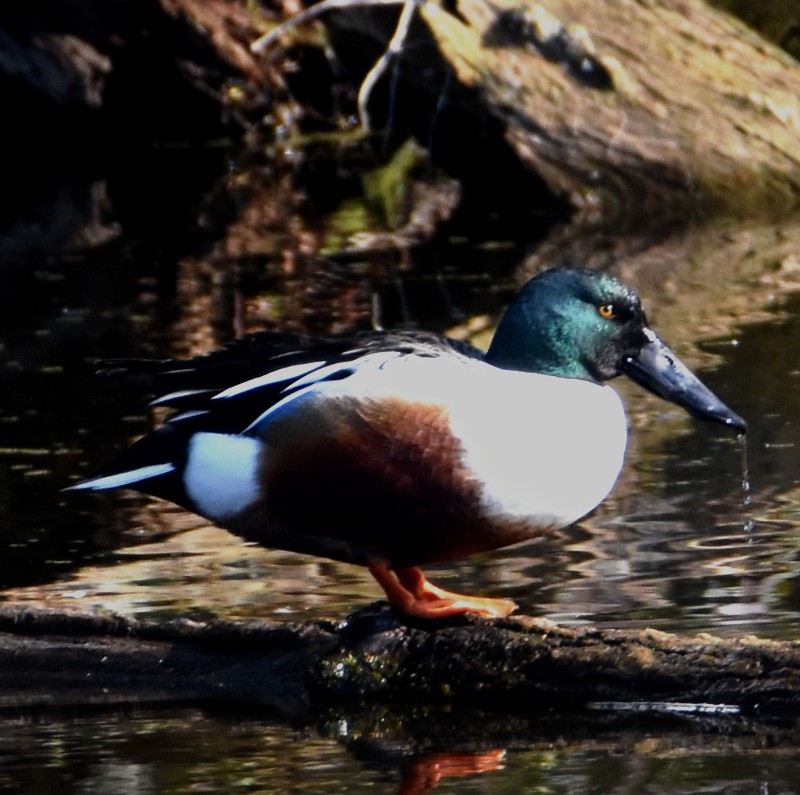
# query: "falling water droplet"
{"type": "Point", "coordinates": [746, 497]}
{"type": "Point", "coordinates": [749, 524]}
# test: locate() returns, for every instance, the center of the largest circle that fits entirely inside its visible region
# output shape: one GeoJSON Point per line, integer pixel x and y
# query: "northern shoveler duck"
{"type": "Point", "coordinates": [397, 449]}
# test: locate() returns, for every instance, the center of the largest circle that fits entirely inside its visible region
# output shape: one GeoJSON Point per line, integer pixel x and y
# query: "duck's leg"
{"type": "Point", "coordinates": [410, 592]}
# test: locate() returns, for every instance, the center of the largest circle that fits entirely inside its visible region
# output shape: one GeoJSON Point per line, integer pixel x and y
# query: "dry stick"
{"type": "Point", "coordinates": [394, 47]}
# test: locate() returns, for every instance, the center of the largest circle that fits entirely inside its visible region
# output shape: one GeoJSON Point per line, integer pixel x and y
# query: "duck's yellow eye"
{"type": "Point", "coordinates": [606, 310]}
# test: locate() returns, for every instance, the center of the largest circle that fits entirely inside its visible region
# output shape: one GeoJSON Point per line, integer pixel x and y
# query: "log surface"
{"type": "Point", "coordinates": [52, 658]}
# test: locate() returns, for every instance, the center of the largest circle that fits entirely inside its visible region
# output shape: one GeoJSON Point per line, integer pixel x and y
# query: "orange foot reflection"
{"type": "Point", "coordinates": [423, 773]}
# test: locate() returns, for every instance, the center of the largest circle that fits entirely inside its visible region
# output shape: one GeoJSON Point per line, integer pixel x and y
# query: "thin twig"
{"type": "Point", "coordinates": [394, 47]}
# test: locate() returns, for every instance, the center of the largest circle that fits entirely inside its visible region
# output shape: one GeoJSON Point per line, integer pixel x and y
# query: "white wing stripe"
{"type": "Point", "coordinates": [279, 405]}
{"type": "Point", "coordinates": [370, 360]}
{"type": "Point", "coordinates": [182, 393]}
{"type": "Point", "coordinates": [275, 377]}
{"type": "Point", "coordinates": [123, 478]}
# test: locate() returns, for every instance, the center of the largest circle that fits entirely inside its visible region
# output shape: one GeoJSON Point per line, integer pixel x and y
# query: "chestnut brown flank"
{"type": "Point", "coordinates": [416, 502]}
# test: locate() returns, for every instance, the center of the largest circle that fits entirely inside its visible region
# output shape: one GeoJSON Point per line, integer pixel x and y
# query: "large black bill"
{"type": "Point", "coordinates": [658, 369]}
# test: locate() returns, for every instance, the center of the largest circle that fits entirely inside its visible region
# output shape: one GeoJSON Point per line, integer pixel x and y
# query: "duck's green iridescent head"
{"type": "Point", "coordinates": [580, 323]}
{"type": "Point", "coordinates": [572, 323]}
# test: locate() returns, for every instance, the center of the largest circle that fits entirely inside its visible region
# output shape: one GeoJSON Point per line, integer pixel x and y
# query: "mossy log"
{"type": "Point", "coordinates": [650, 110]}
{"type": "Point", "coordinates": [53, 658]}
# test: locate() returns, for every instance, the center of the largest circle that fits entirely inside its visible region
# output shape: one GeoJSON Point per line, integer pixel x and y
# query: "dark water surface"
{"type": "Point", "coordinates": [673, 548]}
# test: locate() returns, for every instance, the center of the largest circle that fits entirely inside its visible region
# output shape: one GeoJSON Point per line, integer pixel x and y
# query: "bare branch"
{"type": "Point", "coordinates": [374, 75]}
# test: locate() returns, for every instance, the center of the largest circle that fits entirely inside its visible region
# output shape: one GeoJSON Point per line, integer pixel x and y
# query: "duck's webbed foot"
{"type": "Point", "coordinates": [409, 591]}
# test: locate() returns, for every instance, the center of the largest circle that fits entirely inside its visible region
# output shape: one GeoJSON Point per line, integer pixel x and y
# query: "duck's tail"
{"type": "Point", "coordinates": [153, 464]}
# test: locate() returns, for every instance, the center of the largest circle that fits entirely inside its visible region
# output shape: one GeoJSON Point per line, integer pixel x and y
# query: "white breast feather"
{"type": "Point", "coordinates": [546, 447]}
{"type": "Point", "coordinates": [543, 447]}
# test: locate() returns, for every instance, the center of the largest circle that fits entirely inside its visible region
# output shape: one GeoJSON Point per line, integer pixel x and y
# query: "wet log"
{"type": "Point", "coordinates": [56, 658]}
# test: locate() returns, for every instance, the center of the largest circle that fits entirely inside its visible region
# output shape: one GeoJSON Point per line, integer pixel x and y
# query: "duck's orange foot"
{"type": "Point", "coordinates": [410, 592]}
